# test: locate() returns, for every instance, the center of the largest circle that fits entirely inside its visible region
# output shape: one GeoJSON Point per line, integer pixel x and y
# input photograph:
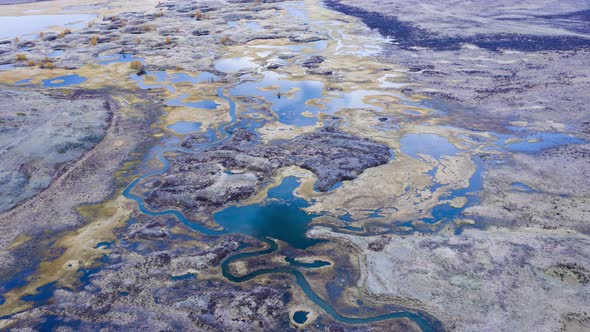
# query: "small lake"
{"type": "Point", "coordinates": [280, 217]}
{"type": "Point", "coordinates": [232, 65]}
{"type": "Point", "coordinates": [300, 317]}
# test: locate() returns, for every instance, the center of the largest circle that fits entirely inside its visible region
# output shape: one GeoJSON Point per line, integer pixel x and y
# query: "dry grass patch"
{"type": "Point", "coordinates": [226, 40]}
{"type": "Point", "coordinates": [64, 33]}
{"type": "Point", "coordinates": [137, 65]}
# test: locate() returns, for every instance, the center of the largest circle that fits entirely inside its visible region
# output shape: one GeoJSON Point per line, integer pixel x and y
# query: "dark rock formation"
{"type": "Point", "coordinates": [235, 169]}
{"type": "Point", "coordinates": [313, 62]}
{"type": "Point", "coordinates": [408, 34]}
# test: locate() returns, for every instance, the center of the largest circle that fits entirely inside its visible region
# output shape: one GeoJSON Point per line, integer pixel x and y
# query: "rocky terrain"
{"type": "Point", "coordinates": [547, 190]}
{"type": "Point", "coordinates": [41, 134]}
{"type": "Point", "coordinates": [166, 282]}
{"type": "Point", "coordinates": [235, 170]}
{"type": "Point", "coordinates": [154, 34]}
{"type": "Point", "coordinates": [510, 62]}
{"type": "Point", "coordinates": [502, 277]}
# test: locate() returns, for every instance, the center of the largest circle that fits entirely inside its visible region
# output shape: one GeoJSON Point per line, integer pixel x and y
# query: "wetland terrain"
{"type": "Point", "coordinates": [280, 165]}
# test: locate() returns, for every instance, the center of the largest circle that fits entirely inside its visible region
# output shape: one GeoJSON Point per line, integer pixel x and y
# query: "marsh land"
{"type": "Point", "coordinates": [277, 165]}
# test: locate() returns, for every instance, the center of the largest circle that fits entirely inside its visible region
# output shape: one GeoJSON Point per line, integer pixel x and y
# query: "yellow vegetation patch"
{"type": "Point", "coordinates": [277, 130]}
{"type": "Point", "coordinates": [136, 65]}
{"type": "Point", "coordinates": [19, 240]}
{"type": "Point", "coordinates": [79, 252]}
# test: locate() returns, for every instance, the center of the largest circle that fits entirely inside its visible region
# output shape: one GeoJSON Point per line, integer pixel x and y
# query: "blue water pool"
{"type": "Point", "coordinates": [61, 81]}
{"type": "Point", "coordinates": [281, 217]}
{"type": "Point", "coordinates": [206, 104]}
{"type": "Point", "coordinates": [288, 98]}
{"type": "Point", "coordinates": [311, 265]}
{"type": "Point", "coordinates": [542, 141]}
{"type": "Point", "coordinates": [119, 58]}
{"type": "Point", "coordinates": [300, 317]}
{"type": "Point", "coordinates": [27, 26]}
{"type": "Point", "coordinates": [428, 144]}
{"type": "Point", "coordinates": [185, 127]}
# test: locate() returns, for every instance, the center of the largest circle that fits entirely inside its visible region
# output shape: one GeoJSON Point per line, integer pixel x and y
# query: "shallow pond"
{"type": "Point", "coordinates": [432, 145]}
{"type": "Point", "coordinates": [8, 66]}
{"type": "Point", "coordinates": [206, 104]}
{"type": "Point", "coordinates": [446, 212]}
{"type": "Point", "coordinates": [232, 65]}
{"type": "Point", "coordinates": [297, 102]}
{"type": "Point", "coordinates": [119, 58]}
{"type": "Point", "coordinates": [287, 98]}
{"type": "Point", "coordinates": [25, 81]}
{"type": "Point", "coordinates": [519, 186]}
{"type": "Point", "coordinates": [27, 26]}
{"type": "Point", "coordinates": [61, 81]}
{"type": "Point", "coordinates": [541, 141]}
{"type": "Point", "coordinates": [185, 127]}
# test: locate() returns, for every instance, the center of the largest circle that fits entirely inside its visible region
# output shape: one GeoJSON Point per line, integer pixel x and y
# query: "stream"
{"type": "Point", "coordinates": [264, 222]}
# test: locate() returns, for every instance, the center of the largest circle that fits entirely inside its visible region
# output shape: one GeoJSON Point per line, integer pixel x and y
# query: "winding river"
{"type": "Point", "coordinates": [423, 320]}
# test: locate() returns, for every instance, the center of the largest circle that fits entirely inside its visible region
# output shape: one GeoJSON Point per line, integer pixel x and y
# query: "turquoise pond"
{"type": "Point", "coordinates": [280, 217]}
{"type": "Point", "coordinates": [186, 276]}
{"type": "Point", "coordinates": [186, 78]}
{"type": "Point", "coordinates": [142, 84]}
{"type": "Point", "coordinates": [311, 265]}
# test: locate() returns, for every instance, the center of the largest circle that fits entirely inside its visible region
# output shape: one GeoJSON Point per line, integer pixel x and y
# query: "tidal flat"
{"type": "Point", "coordinates": [294, 165]}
